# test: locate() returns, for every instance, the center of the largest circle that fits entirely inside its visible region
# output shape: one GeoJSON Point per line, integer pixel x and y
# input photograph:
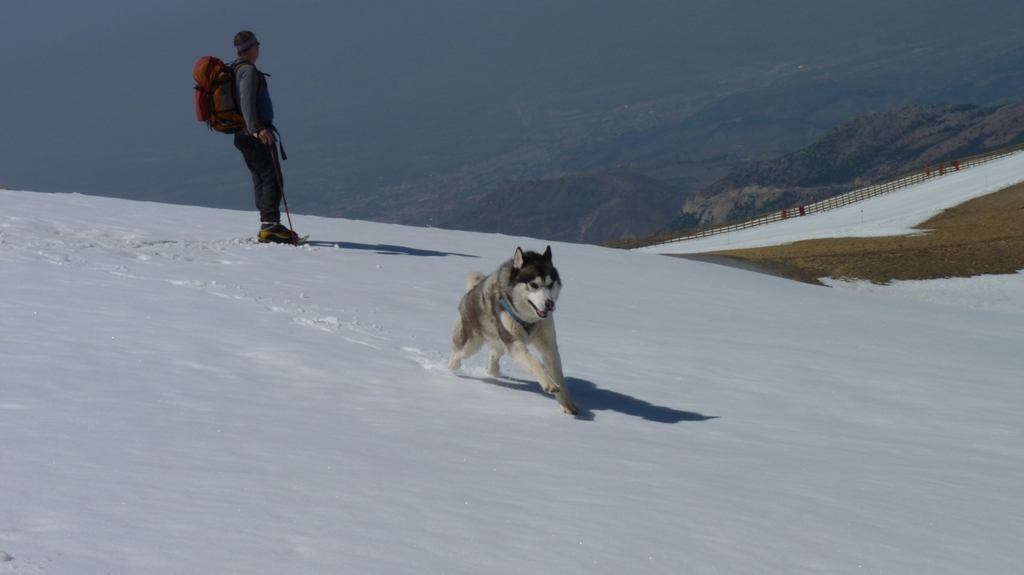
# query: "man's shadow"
{"type": "Point", "coordinates": [589, 398]}
{"type": "Point", "coordinates": [385, 249]}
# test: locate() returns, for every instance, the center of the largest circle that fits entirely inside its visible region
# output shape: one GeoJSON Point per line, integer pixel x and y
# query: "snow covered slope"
{"type": "Point", "coordinates": [891, 214]}
{"type": "Point", "coordinates": [174, 399]}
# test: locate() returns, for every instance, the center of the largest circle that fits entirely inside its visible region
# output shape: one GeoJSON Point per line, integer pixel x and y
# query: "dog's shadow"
{"type": "Point", "coordinates": [589, 398]}
{"type": "Point", "coordinates": [385, 249]}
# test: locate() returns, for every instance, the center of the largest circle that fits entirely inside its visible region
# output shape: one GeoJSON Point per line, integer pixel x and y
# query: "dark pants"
{"type": "Point", "coordinates": [264, 176]}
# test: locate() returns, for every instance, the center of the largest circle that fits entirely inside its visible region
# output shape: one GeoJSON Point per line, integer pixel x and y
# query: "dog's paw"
{"type": "Point", "coordinates": [569, 408]}
{"type": "Point", "coordinates": [552, 389]}
{"type": "Point", "coordinates": [454, 363]}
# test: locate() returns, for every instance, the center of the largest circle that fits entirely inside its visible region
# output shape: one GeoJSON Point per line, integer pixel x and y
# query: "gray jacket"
{"type": "Point", "coordinates": [253, 98]}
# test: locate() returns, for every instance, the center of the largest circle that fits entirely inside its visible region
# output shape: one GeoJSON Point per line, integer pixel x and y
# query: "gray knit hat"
{"type": "Point", "coordinates": [245, 40]}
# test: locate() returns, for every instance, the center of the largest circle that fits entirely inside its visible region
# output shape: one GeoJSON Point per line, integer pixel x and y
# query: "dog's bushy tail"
{"type": "Point", "coordinates": [473, 279]}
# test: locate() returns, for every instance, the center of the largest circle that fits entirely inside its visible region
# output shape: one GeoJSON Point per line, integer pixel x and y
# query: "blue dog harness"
{"type": "Point", "coordinates": [508, 307]}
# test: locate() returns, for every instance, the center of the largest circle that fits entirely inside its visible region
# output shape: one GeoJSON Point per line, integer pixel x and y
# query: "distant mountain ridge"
{"type": "Point", "coordinates": [656, 165]}
{"type": "Point", "coordinates": [866, 150]}
{"type": "Point", "coordinates": [653, 190]}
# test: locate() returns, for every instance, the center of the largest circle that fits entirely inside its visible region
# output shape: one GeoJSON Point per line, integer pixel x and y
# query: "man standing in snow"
{"type": "Point", "coordinates": [256, 141]}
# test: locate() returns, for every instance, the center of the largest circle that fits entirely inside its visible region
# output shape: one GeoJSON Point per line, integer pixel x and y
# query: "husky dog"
{"type": "Point", "coordinates": [510, 310]}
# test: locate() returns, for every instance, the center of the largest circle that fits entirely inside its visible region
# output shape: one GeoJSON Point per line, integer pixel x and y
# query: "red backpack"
{"type": "Point", "coordinates": [216, 96]}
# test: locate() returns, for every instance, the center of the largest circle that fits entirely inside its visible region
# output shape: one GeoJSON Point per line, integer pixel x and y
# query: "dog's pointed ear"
{"type": "Point", "coordinates": [547, 254]}
{"type": "Point", "coordinates": [517, 260]}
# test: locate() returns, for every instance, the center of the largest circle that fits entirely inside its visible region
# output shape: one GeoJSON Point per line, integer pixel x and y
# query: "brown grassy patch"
{"type": "Point", "coordinates": [982, 236]}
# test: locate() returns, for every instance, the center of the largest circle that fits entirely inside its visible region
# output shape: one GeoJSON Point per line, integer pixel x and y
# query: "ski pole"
{"type": "Point", "coordinates": [280, 185]}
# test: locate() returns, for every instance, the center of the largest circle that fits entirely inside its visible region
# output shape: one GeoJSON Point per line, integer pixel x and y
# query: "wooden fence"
{"type": "Point", "coordinates": [832, 203]}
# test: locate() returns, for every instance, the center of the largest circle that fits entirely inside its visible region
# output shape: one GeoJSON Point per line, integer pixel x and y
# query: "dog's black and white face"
{"type": "Point", "coordinates": [535, 283]}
